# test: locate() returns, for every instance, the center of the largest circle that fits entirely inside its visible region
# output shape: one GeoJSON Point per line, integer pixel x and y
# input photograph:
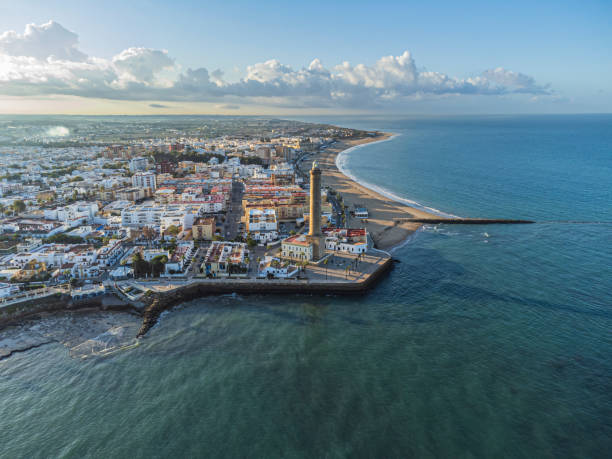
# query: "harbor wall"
{"type": "Point", "coordinates": [159, 302]}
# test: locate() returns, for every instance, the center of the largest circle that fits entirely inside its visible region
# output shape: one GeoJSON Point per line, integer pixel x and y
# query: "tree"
{"type": "Point", "coordinates": [63, 238]}
{"type": "Point", "coordinates": [19, 206]}
{"type": "Point", "coordinates": [172, 230]}
{"type": "Point", "coordinates": [158, 265]}
{"type": "Point", "coordinates": [171, 247]}
{"type": "Point", "coordinates": [148, 233]}
{"type": "Point", "coordinates": [141, 267]}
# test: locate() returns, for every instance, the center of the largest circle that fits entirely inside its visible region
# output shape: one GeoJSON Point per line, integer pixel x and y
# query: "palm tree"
{"type": "Point", "coordinates": [19, 206]}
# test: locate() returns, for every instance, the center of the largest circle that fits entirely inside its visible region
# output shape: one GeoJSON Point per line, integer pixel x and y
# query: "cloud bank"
{"type": "Point", "coordinates": [45, 60]}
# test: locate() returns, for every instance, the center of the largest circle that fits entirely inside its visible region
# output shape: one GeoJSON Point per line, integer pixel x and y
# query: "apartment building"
{"type": "Point", "coordinates": [138, 164]}
{"type": "Point", "coordinates": [261, 220]}
{"type": "Point", "coordinates": [203, 229]}
{"type": "Point", "coordinates": [144, 180]}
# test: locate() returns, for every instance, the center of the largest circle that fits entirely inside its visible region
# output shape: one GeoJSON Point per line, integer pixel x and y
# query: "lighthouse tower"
{"type": "Point", "coordinates": [314, 234]}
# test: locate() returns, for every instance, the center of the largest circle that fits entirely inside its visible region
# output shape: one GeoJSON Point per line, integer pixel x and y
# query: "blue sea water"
{"type": "Point", "coordinates": [475, 345]}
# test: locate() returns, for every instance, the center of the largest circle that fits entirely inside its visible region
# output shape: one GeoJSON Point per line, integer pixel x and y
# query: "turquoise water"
{"type": "Point", "coordinates": [473, 346]}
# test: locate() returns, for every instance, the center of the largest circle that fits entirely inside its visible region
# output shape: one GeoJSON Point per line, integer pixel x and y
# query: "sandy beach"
{"type": "Point", "coordinates": [382, 223]}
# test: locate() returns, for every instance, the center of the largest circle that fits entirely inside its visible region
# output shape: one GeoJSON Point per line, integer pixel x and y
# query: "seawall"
{"type": "Point", "coordinates": [159, 302]}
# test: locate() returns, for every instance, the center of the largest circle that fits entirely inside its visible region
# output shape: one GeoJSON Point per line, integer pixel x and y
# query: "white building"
{"type": "Point", "coordinates": [346, 240]}
{"type": "Point", "coordinates": [149, 254]}
{"type": "Point", "coordinates": [265, 236]}
{"type": "Point", "coordinates": [138, 164]}
{"type": "Point", "coordinates": [262, 220]}
{"type": "Point", "coordinates": [57, 255]}
{"type": "Point", "coordinates": [141, 216]}
{"type": "Point", "coordinates": [182, 217]}
{"type": "Point", "coordinates": [74, 214]}
{"type": "Point", "coordinates": [144, 180]}
{"type": "Point", "coordinates": [159, 216]}
{"type": "Point", "coordinates": [180, 258]}
{"type": "Point", "coordinates": [272, 267]}
{"type": "Point", "coordinates": [111, 253]}
{"type": "Point", "coordinates": [297, 247]}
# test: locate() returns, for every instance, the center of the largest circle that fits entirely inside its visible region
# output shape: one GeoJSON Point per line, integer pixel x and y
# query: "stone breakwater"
{"type": "Point", "coordinates": [159, 302]}
{"type": "Point", "coordinates": [466, 221]}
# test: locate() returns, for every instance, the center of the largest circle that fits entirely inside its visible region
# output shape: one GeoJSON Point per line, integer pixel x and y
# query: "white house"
{"type": "Point", "coordinates": [180, 258]}
{"type": "Point", "coordinates": [346, 240]}
{"type": "Point", "coordinates": [272, 267]}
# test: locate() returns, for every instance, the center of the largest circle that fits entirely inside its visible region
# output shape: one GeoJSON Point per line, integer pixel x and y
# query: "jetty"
{"type": "Point", "coordinates": [465, 221]}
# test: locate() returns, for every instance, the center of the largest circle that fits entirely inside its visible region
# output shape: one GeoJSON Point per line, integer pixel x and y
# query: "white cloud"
{"type": "Point", "coordinates": [41, 42]}
{"type": "Point", "coordinates": [142, 64]}
{"type": "Point", "coordinates": [45, 60]}
{"type": "Point", "coordinates": [519, 82]}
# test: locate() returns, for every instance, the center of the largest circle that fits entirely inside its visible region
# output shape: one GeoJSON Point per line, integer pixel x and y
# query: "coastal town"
{"type": "Point", "coordinates": [89, 218]}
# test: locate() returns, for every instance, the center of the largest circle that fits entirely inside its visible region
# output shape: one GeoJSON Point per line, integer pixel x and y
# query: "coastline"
{"type": "Point", "coordinates": [386, 225]}
{"type": "Point", "coordinates": [383, 224]}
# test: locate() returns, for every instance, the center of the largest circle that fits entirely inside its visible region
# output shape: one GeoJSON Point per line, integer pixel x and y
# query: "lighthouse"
{"type": "Point", "coordinates": [314, 234]}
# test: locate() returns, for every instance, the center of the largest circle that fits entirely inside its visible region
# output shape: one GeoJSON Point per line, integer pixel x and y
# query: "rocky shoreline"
{"type": "Point", "coordinates": [14, 314]}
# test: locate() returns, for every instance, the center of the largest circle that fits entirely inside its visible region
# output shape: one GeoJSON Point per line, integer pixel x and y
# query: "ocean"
{"type": "Point", "coordinates": [484, 341]}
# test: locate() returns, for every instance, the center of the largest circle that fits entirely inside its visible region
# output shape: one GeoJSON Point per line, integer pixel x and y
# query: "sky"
{"type": "Point", "coordinates": [329, 57]}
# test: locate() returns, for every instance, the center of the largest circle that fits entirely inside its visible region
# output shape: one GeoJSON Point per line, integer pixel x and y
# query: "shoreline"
{"type": "Point", "coordinates": [384, 224]}
{"type": "Point", "coordinates": [343, 156]}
